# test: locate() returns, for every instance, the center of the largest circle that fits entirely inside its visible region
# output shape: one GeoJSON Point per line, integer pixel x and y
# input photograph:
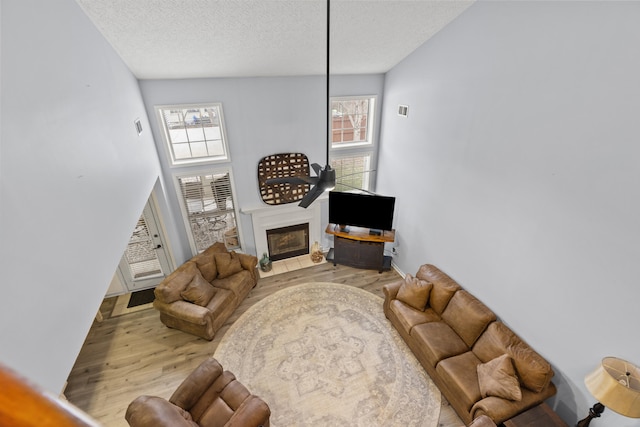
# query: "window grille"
{"type": "Point", "coordinates": [352, 172]}
{"type": "Point", "coordinates": [194, 133]}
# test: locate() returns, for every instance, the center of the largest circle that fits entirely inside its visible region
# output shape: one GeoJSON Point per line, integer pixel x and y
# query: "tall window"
{"type": "Point", "coordinates": [352, 142]}
{"type": "Point", "coordinates": [194, 133]}
{"type": "Point", "coordinates": [209, 209]}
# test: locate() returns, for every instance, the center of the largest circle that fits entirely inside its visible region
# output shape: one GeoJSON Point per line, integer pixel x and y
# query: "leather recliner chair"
{"type": "Point", "coordinates": [208, 397]}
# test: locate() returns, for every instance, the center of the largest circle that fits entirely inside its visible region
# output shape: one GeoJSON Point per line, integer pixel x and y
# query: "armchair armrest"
{"type": "Point", "coordinates": [152, 411]}
{"type": "Point", "coordinates": [194, 386]}
{"type": "Point", "coordinates": [253, 412]}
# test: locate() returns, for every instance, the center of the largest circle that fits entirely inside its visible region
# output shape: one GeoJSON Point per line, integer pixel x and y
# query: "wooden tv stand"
{"type": "Point", "coordinates": [357, 247]}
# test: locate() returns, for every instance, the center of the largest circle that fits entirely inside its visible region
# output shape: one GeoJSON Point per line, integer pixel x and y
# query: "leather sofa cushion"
{"type": "Point", "coordinates": [534, 372]}
{"type": "Point", "coordinates": [437, 341]}
{"type": "Point", "coordinates": [207, 265]}
{"type": "Point", "coordinates": [239, 283]}
{"type": "Point", "coordinates": [169, 289]}
{"type": "Point", "coordinates": [498, 378]}
{"type": "Point", "coordinates": [414, 292]}
{"type": "Point", "coordinates": [220, 301]}
{"type": "Point", "coordinates": [444, 287]}
{"type": "Point", "coordinates": [409, 317]}
{"type": "Point", "coordinates": [460, 374]}
{"type": "Point", "coordinates": [227, 264]}
{"type": "Point", "coordinates": [206, 261]}
{"type": "Point", "coordinates": [198, 291]}
{"type": "Point", "coordinates": [220, 401]}
{"type": "Point", "coordinates": [467, 316]}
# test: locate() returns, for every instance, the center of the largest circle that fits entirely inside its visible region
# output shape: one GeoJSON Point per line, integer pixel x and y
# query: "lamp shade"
{"type": "Point", "coordinates": [616, 384]}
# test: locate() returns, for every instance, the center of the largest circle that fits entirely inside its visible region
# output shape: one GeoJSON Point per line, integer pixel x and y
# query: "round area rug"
{"type": "Point", "coordinates": [323, 354]}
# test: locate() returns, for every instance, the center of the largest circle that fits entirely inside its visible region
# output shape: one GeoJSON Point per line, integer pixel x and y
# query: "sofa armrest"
{"type": "Point", "coordinates": [391, 290]}
{"type": "Point", "coordinates": [152, 411]}
{"type": "Point", "coordinates": [390, 293]}
{"type": "Point", "coordinates": [501, 410]}
{"type": "Point", "coordinates": [184, 310]}
{"type": "Point", "coordinates": [253, 412]}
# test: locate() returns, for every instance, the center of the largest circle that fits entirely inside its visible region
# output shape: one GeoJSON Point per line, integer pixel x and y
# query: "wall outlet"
{"type": "Point", "coordinates": [394, 250]}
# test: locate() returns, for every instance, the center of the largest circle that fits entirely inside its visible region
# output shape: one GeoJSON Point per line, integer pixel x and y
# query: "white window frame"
{"type": "Point", "coordinates": [169, 146]}
{"type": "Point", "coordinates": [185, 214]}
{"type": "Point", "coordinates": [371, 118]}
{"type": "Point", "coordinates": [357, 149]}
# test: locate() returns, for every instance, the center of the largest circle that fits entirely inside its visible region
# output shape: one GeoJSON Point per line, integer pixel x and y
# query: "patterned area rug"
{"type": "Point", "coordinates": [323, 354]}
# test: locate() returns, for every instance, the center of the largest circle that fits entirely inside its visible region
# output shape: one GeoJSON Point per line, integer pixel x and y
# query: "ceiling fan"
{"type": "Point", "coordinates": [325, 179]}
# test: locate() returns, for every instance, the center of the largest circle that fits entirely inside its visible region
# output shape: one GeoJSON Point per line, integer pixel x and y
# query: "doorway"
{"type": "Point", "coordinates": [145, 262]}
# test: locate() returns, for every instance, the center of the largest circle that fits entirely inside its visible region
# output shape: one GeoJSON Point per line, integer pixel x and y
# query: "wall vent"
{"type": "Point", "coordinates": [403, 110]}
{"type": "Point", "coordinates": [138, 126]}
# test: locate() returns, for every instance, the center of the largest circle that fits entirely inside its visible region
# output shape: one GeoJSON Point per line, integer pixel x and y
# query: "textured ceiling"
{"type": "Point", "coordinates": [221, 38]}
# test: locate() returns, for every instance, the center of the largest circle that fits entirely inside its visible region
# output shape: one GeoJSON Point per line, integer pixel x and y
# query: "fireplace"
{"type": "Point", "coordinates": [281, 216]}
{"type": "Point", "coordinates": [288, 242]}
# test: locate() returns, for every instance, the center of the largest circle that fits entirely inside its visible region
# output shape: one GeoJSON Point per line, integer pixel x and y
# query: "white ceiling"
{"type": "Point", "coordinates": [224, 38]}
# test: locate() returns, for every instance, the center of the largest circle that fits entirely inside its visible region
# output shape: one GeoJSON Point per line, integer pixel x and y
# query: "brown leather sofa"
{"type": "Point", "coordinates": [208, 397]}
{"type": "Point", "coordinates": [203, 292]}
{"type": "Point", "coordinates": [477, 362]}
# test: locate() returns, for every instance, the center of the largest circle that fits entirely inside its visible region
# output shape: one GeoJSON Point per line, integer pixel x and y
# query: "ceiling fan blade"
{"type": "Point", "coordinates": [316, 167]}
{"type": "Point", "coordinates": [356, 188]}
{"type": "Point", "coordinates": [293, 180]}
{"type": "Point", "coordinates": [313, 194]}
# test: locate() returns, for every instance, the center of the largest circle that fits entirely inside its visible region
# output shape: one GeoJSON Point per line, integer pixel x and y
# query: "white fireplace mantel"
{"type": "Point", "coordinates": [269, 217]}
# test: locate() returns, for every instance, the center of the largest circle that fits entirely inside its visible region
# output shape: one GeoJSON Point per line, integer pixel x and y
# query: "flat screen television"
{"type": "Point", "coordinates": [361, 210]}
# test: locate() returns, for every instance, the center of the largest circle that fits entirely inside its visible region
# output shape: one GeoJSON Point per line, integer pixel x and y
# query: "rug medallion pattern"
{"type": "Point", "coordinates": [323, 354]}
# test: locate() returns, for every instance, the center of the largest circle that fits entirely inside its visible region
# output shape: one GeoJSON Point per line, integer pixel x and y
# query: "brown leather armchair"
{"type": "Point", "coordinates": [208, 397]}
{"type": "Point", "coordinates": [482, 421]}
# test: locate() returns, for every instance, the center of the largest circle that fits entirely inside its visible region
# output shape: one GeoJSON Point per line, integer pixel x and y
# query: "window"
{"type": "Point", "coordinates": [352, 121]}
{"type": "Point", "coordinates": [352, 172]}
{"type": "Point", "coordinates": [352, 142]}
{"type": "Point", "coordinates": [208, 208]}
{"type": "Point", "coordinates": [194, 133]}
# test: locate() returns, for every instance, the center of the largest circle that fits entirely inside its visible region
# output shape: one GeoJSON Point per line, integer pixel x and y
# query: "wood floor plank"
{"type": "Point", "coordinates": [134, 354]}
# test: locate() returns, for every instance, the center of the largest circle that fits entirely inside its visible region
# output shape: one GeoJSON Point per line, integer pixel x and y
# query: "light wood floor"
{"type": "Point", "coordinates": [133, 354]}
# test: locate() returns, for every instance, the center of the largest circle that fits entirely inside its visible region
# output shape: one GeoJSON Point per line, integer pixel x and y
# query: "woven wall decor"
{"type": "Point", "coordinates": [282, 166]}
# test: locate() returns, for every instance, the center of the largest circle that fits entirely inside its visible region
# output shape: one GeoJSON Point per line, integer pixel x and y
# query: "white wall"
{"type": "Point", "coordinates": [74, 179]}
{"type": "Point", "coordinates": [262, 116]}
{"type": "Point", "coordinates": [517, 173]}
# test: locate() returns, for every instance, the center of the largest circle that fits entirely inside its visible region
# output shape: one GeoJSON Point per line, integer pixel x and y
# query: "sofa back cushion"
{"type": "Point", "coordinates": [206, 261]}
{"type": "Point", "coordinates": [169, 289]}
{"type": "Point", "coordinates": [467, 316]}
{"type": "Point", "coordinates": [227, 263]}
{"type": "Point", "coordinates": [533, 371]}
{"type": "Point", "coordinates": [207, 265]}
{"type": "Point", "coordinates": [444, 287]}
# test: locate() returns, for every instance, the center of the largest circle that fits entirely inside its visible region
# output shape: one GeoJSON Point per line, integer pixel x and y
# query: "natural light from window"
{"type": "Point", "coordinates": [194, 133]}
